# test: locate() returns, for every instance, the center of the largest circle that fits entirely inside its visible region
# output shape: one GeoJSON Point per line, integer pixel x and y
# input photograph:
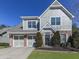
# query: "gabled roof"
{"type": "Point", "coordinates": [48, 27]}
{"type": "Point", "coordinates": [16, 30]}
{"type": "Point", "coordinates": [57, 5]}
{"type": "Point", "coordinates": [5, 30]}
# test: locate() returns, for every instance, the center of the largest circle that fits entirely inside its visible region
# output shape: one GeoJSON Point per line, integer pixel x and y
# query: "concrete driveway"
{"type": "Point", "coordinates": [15, 53]}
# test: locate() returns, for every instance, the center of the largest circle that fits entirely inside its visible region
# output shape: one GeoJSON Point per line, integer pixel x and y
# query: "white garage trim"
{"type": "Point", "coordinates": [18, 41]}
{"type": "Point", "coordinates": [31, 40]}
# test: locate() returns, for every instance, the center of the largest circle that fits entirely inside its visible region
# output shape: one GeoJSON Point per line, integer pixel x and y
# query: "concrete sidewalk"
{"type": "Point", "coordinates": [15, 53]}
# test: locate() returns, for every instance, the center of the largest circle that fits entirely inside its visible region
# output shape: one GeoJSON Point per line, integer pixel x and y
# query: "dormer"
{"type": "Point", "coordinates": [30, 22]}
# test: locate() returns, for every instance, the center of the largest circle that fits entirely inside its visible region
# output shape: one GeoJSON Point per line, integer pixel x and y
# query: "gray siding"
{"type": "Point", "coordinates": [4, 38]}
{"type": "Point", "coordinates": [66, 22]}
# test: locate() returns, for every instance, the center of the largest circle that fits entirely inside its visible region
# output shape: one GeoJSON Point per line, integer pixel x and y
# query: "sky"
{"type": "Point", "coordinates": [11, 10]}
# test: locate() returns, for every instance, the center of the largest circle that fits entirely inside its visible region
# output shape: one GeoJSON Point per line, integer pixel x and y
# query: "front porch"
{"type": "Point", "coordinates": [47, 36]}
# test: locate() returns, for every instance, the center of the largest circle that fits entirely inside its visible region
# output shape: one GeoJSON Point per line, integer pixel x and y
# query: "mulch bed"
{"type": "Point", "coordinates": [59, 49]}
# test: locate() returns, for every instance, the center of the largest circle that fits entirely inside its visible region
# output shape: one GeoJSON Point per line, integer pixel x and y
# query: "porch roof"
{"type": "Point", "coordinates": [20, 31]}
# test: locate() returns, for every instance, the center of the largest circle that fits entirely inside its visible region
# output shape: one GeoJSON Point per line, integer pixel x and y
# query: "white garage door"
{"type": "Point", "coordinates": [18, 41]}
{"type": "Point", "coordinates": [31, 40]}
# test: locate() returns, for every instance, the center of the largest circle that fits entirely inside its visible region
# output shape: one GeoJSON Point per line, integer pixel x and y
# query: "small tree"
{"type": "Point", "coordinates": [73, 40]}
{"type": "Point", "coordinates": [76, 42]}
{"type": "Point", "coordinates": [74, 28]}
{"type": "Point", "coordinates": [76, 39]}
{"type": "Point", "coordinates": [56, 39]}
{"type": "Point", "coordinates": [75, 35]}
{"type": "Point", "coordinates": [70, 42]}
{"type": "Point", "coordinates": [38, 39]}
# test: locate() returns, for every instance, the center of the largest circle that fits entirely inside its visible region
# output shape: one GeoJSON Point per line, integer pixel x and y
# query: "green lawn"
{"type": "Point", "coordinates": [3, 47]}
{"type": "Point", "coordinates": [53, 55]}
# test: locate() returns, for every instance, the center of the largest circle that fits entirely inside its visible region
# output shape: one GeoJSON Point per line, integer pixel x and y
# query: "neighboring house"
{"type": "Point", "coordinates": [55, 18]}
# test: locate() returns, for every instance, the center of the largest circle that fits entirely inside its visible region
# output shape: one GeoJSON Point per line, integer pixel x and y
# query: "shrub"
{"type": "Point", "coordinates": [4, 44]}
{"type": "Point", "coordinates": [56, 39]}
{"type": "Point", "coordinates": [73, 41]}
{"type": "Point", "coordinates": [76, 39]}
{"type": "Point", "coordinates": [70, 42]}
{"type": "Point", "coordinates": [38, 39]}
{"type": "Point", "coordinates": [75, 35]}
{"type": "Point", "coordinates": [76, 42]}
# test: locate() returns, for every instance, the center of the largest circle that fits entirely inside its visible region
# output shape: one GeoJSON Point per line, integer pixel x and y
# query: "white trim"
{"type": "Point", "coordinates": [55, 18]}
{"type": "Point", "coordinates": [29, 17]}
{"type": "Point", "coordinates": [67, 10]}
{"type": "Point", "coordinates": [55, 0]}
{"type": "Point", "coordinates": [18, 41]}
{"type": "Point", "coordinates": [44, 11]}
{"type": "Point", "coordinates": [32, 24]}
{"type": "Point", "coordinates": [44, 26]}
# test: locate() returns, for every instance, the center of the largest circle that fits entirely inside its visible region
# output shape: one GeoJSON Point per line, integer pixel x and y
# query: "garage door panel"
{"type": "Point", "coordinates": [15, 44]}
{"type": "Point", "coordinates": [31, 42]}
{"type": "Point", "coordinates": [18, 41]}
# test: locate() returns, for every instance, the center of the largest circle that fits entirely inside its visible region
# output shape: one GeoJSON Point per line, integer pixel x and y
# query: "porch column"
{"type": "Point", "coordinates": [69, 33]}
{"type": "Point", "coordinates": [25, 41]}
{"type": "Point", "coordinates": [43, 40]}
{"type": "Point", "coordinates": [11, 40]}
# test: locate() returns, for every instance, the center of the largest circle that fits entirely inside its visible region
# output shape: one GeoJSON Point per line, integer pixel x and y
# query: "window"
{"type": "Point", "coordinates": [58, 21]}
{"type": "Point", "coordinates": [34, 37]}
{"type": "Point", "coordinates": [32, 24]}
{"type": "Point", "coordinates": [29, 24]}
{"type": "Point", "coordinates": [31, 36]}
{"type": "Point", "coordinates": [18, 37]}
{"type": "Point", "coordinates": [55, 21]}
{"type": "Point", "coordinates": [21, 37]}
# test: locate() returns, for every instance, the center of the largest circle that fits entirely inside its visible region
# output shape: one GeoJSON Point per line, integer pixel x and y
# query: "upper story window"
{"type": "Point", "coordinates": [32, 24]}
{"type": "Point", "coordinates": [55, 21]}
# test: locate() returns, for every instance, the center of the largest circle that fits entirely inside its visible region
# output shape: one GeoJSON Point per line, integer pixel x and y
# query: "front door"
{"type": "Point", "coordinates": [47, 38]}
{"type": "Point", "coordinates": [18, 41]}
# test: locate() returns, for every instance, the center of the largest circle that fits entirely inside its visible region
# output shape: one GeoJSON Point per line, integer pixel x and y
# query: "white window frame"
{"type": "Point", "coordinates": [31, 36]}
{"type": "Point", "coordinates": [32, 23]}
{"type": "Point", "coordinates": [55, 18]}
{"type": "Point", "coordinates": [18, 37]}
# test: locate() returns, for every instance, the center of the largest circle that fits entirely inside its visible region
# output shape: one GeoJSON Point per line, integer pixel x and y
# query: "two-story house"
{"type": "Point", "coordinates": [55, 18]}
